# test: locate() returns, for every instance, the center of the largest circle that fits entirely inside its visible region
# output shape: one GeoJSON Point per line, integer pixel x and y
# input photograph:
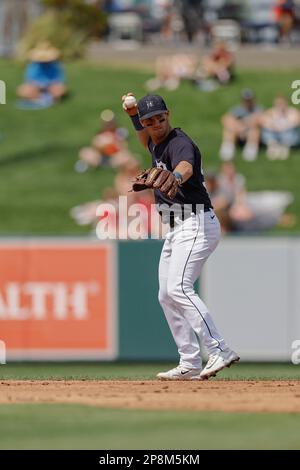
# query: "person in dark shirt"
{"type": "Point", "coordinates": [194, 234]}
{"type": "Point", "coordinates": [179, 150]}
{"type": "Point", "coordinates": [240, 124]}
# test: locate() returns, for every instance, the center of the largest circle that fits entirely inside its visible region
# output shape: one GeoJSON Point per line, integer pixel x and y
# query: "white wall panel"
{"type": "Point", "coordinates": [249, 286]}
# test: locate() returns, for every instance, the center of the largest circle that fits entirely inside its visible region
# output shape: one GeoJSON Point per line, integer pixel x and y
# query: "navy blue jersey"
{"type": "Point", "coordinates": [174, 149]}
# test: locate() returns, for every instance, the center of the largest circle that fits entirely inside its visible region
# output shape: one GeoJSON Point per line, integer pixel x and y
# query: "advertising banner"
{"type": "Point", "coordinates": [57, 300]}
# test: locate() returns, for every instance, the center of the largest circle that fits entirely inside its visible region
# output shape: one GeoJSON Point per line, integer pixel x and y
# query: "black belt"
{"type": "Point", "coordinates": [184, 216]}
{"type": "Point", "coordinates": [206, 208]}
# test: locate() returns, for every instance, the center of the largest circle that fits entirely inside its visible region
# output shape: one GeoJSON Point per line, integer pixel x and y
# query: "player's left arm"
{"type": "Point", "coordinates": [185, 169]}
{"type": "Point", "coordinates": [183, 158]}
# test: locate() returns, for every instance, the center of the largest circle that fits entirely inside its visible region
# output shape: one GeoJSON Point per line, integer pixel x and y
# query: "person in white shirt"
{"type": "Point", "coordinates": [280, 128]}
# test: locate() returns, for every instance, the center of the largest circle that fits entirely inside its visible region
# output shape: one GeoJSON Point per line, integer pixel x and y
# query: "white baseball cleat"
{"type": "Point", "coordinates": [218, 362]}
{"type": "Point", "coordinates": [180, 373]}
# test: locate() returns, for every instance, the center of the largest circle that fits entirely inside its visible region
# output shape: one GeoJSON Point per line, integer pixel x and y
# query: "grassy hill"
{"type": "Point", "coordinates": [38, 149]}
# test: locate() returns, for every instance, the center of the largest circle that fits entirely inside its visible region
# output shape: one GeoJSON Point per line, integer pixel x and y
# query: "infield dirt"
{"type": "Point", "coordinates": [231, 396]}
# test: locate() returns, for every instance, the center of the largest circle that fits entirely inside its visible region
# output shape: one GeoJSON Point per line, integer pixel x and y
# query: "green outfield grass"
{"type": "Point", "coordinates": [133, 371]}
{"type": "Point", "coordinates": [85, 427]}
{"type": "Point", "coordinates": [38, 149]}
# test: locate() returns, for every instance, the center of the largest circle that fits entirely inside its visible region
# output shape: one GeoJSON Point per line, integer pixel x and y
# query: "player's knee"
{"type": "Point", "coordinates": [179, 292]}
{"type": "Point", "coordinates": [163, 296]}
{"type": "Point", "coordinates": [28, 91]}
{"type": "Point", "coordinates": [57, 90]}
{"type": "Point", "coordinates": [175, 292]}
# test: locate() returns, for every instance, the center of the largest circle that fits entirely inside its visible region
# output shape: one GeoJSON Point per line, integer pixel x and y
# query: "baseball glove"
{"type": "Point", "coordinates": [156, 178]}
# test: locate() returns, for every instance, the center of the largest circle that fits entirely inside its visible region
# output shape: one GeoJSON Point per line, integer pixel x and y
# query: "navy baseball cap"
{"type": "Point", "coordinates": [150, 105]}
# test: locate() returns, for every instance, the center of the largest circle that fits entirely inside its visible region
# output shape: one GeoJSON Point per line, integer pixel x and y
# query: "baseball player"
{"type": "Point", "coordinates": [177, 179]}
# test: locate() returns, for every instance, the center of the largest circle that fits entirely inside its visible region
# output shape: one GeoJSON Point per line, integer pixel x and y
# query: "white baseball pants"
{"type": "Point", "coordinates": [184, 253]}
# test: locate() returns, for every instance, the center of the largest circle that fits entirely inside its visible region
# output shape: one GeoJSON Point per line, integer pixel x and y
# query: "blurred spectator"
{"type": "Point", "coordinates": [280, 129]}
{"type": "Point", "coordinates": [284, 12]}
{"type": "Point", "coordinates": [228, 194]}
{"type": "Point", "coordinates": [170, 70]}
{"type": "Point", "coordinates": [85, 214]}
{"type": "Point", "coordinates": [215, 68]}
{"type": "Point", "coordinates": [111, 6]}
{"type": "Point", "coordinates": [44, 76]}
{"type": "Point", "coordinates": [191, 12]}
{"type": "Point", "coordinates": [16, 17]}
{"type": "Point", "coordinates": [242, 211]}
{"type": "Point", "coordinates": [240, 125]}
{"type": "Point", "coordinates": [267, 208]}
{"type": "Point", "coordinates": [233, 186]}
{"type": "Point", "coordinates": [219, 200]}
{"type": "Point", "coordinates": [167, 20]}
{"type": "Point", "coordinates": [122, 186]}
{"type": "Point", "coordinates": [218, 64]}
{"type": "Point", "coordinates": [231, 183]}
{"type": "Point", "coordinates": [124, 178]}
{"type": "Point", "coordinates": [108, 147]}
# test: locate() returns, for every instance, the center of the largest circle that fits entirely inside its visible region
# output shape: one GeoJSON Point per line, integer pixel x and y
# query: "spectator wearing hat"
{"type": "Point", "coordinates": [44, 74]}
{"type": "Point", "coordinates": [241, 125]}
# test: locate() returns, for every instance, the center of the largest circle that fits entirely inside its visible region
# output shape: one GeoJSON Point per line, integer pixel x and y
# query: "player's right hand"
{"type": "Point", "coordinates": [131, 111]}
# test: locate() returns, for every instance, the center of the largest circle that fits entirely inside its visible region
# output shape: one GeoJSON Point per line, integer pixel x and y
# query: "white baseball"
{"type": "Point", "coordinates": [130, 102]}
